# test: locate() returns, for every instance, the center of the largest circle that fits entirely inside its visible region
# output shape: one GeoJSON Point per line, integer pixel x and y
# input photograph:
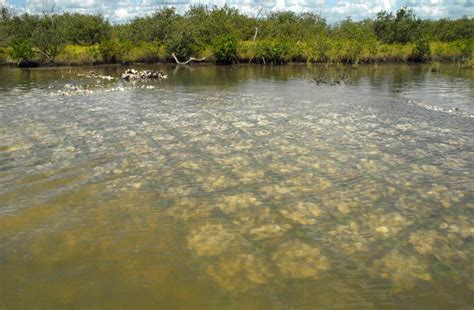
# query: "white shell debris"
{"type": "Point", "coordinates": [133, 75]}
{"type": "Point", "coordinates": [95, 75]}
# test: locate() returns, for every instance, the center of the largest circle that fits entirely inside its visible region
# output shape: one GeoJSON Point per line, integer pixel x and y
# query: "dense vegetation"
{"type": "Point", "coordinates": [224, 35]}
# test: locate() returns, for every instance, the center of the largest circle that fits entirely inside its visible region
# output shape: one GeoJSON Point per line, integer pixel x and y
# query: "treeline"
{"type": "Point", "coordinates": [224, 35]}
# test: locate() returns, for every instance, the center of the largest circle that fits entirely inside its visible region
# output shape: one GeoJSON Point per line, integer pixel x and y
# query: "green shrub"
{"type": "Point", "coordinates": [322, 46]}
{"type": "Point", "coordinates": [336, 51]}
{"type": "Point", "coordinates": [183, 44]}
{"type": "Point", "coordinates": [421, 51]}
{"type": "Point", "coordinates": [246, 50]}
{"type": "Point", "coordinates": [22, 50]}
{"type": "Point", "coordinates": [112, 51]}
{"type": "Point", "coordinates": [298, 52]}
{"type": "Point", "coordinates": [78, 55]}
{"type": "Point", "coordinates": [94, 52]}
{"type": "Point", "coordinates": [273, 51]}
{"type": "Point", "coordinates": [224, 49]}
{"type": "Point", "coordinates": [3, 54]}
{"type": "Point", "coordinates": [467, 49]}
{"type": "Point", "coordinates": [352, 51]}
{"type": "Point", "coordinates": [143, 52]}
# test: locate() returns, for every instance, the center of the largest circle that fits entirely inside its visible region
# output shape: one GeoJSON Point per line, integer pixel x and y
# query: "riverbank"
{"type": "Point", "coordinates": [263, 52]}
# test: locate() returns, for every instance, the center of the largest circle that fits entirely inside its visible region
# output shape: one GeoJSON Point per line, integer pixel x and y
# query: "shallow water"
{"type": "Point", "coordinates": [238, 187]}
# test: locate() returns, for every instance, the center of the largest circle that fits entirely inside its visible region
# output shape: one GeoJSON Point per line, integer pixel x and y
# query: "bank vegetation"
{"type": "Point", "coordinates": [226, 36]}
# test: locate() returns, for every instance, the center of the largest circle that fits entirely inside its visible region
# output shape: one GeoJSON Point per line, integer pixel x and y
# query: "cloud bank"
{"type": "Point", "coordinates": [334, 10]}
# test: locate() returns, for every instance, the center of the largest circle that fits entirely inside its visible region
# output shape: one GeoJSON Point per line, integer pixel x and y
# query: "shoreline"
{"type": "Point", "coordinates": [463, 64]}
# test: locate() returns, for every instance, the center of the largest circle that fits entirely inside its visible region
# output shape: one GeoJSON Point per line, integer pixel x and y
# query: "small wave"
{"type": "Point", "coordinates": [453, 110]}
{"type": "Point", "coordinates": [81, 90]}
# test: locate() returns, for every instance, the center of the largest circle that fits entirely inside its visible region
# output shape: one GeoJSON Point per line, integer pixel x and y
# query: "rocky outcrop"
{"type": "Point", "coordinates": [134, 75]}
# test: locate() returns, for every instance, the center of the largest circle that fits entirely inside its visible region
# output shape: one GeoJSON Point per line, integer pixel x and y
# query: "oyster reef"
{"type": "Point", "coordinates": [245, 187]}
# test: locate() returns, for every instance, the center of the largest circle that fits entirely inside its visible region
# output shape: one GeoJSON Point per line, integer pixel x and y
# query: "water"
{"type": "Point", "coordinates": [245, 187]}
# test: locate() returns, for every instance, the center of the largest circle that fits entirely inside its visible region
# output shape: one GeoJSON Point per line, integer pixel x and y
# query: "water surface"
{"type": "Point", "coordinates": [245, 187]}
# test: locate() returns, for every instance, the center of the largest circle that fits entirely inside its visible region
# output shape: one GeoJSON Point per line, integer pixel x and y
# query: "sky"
{"type": "Point", "coordinates": [119, 11]}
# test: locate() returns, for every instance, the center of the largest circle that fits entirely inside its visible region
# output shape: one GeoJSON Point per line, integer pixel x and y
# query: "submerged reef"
{"type": "Point", "coordinates": [258, 192]}
{"type": "Point", "coordinates": [299, 260]}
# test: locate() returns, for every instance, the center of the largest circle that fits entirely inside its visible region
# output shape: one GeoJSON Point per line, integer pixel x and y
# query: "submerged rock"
{"type": "Point", "coordinates": [299, 260]}
{"type": "Point", "coordinates": [401, 269]}
{"type": "Point", "coordinates": [387, 225]}
{"type": "Point", "coordinates": [269, 231]}
{"type": "Point", "coordinates": [304, 213]}
{"type": "Point", "coordinates": [210, 240]}
{"type": "Point", "coordinates": [235, 203]}
{"type": "Point", "coordinates": [134, 75]}
{"type": "Point", "coordinates": [240, 272]}
{"type": "Point", "coordinates": [423, 241]}
{"type": "Point", "coordinates": [348, 238]}
{"type": "Point", "coordinates": [189, 208]}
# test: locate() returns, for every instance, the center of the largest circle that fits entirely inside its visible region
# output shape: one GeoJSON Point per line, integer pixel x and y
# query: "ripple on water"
{"type": "Point", "coordinates": [263, 190]}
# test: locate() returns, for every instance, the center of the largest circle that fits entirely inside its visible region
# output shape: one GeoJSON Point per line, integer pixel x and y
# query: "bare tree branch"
{"type": "Point", "coordinates": [49, 11]}
{"type": "Point", "coordinates": [255, 34]}
{"type": "Point", "coordinates": [257, 18]}
{"type": "Point", "coordinates": [260, 10]}
{"type": "Point", "coordinates": [187, 61]}
{"type": "Point", "coordinates": [42, 53]}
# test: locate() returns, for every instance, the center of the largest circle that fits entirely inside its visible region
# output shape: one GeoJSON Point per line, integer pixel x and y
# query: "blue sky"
{"type": "Point", "coordinates": [333, 10]}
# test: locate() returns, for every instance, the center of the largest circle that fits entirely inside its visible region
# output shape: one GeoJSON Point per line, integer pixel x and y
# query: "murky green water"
{"type": "Point", "coordinates": [246, 188]}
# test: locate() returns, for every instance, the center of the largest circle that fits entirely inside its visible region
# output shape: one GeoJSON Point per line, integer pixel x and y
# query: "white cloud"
{"type": "Point", "coordinates": [333, 10]}
{"type": "Point", "coordinates": [122, 14]}
{"type": "Point", "coordinates": [358, 10]}
{"type": "Point", "coordinates": [441, 8]}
